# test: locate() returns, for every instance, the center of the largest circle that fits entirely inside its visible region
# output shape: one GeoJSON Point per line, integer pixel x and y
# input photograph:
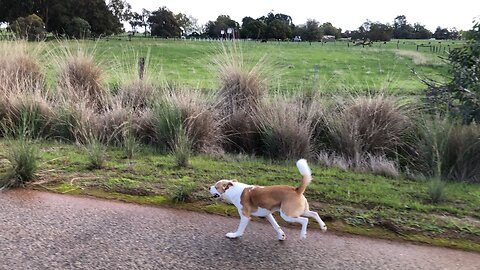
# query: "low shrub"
{"type": "Point", "coordinates": [23, 160]}
{"type": "Point", "coordinates": [182, 191]}
{"type": "Point", "coordinates": [436, 190]}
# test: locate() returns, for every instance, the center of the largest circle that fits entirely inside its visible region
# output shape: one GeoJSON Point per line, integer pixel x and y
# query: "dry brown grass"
{"type": "Point", "coordinates": [378, 165]}
{"type": "Point", "coordinates": [242, 89]}
{"type": "Point", "coordinates": [287, 128]}
{"type": "Point", "coordinates": [368, 125]}
{"type": "Point", "coordinates": [136, 94]}
{"type": "Point", "coordinates": [19, 67]}
{"type": "Point", "coordinates": [80, 78]}
{"type": "Point", "coordinates": [201, 120]}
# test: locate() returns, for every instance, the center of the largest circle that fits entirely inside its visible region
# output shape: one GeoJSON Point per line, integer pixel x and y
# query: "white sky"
{"type": "Point", "coordinates": [348, 15]}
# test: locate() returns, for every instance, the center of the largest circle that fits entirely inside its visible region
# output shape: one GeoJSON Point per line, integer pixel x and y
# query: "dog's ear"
{"type": "Point", "coordinates": [234, 180]}
{"type": "Point", "coordinates": [229, 184]}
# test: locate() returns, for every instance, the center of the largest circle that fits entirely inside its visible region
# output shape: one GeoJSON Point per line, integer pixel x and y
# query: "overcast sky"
{"type": "Point", "coordinates": [348, 15]}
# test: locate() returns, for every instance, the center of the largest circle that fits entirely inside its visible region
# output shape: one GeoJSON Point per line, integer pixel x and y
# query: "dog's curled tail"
{"type": "Point", "coordinates": [306, 173]}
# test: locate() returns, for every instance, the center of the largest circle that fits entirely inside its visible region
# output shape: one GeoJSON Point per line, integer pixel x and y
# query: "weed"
{"type": "Point", "coordinates": [167, 120]}
{"type": "Point", "coordinates": [23, 160]}
{"type": "Point", "coordinates": [436, 190]}
{"type": "Point", "coordinates": [182, 191]}
{"type": "Point", "coordinates": [182, 149]}
{"type": "Point", "coordinates": [130, 143]}
{"type": "Point", "coordinates": [96, 153]}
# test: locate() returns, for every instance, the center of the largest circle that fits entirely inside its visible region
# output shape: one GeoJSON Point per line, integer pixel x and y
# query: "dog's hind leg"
{"type": "Point", "coordinates": [315, 215]}
{"type": "Point", "coordinates": [241, 227]}
{"type": "Point", "coordinates": [301, 220]}
{"type": "Point", "coordinates": [281, 235]}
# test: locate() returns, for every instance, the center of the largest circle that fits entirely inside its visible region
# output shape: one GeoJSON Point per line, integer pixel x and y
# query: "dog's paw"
{"type": "Point", "coordinates": [303, 236]}
{"type": "Point", "coordinates": [232, 235]}
{"type": "Point", "coordinates": [323, 228]}
{"type": "Point", "coordinates": [281, 236]}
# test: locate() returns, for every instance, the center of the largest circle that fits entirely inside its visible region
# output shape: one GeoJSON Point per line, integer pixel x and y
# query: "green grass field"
{"type": "Point", "coordinates": [381, 67]}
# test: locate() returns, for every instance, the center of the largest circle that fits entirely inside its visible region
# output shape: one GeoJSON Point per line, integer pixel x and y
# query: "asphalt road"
{"type": "Point", "coordinates": [49, 231]}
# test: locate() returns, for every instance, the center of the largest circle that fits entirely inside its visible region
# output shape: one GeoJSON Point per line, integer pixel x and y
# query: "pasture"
{"type": "Point", "coordinates": [379, 68]}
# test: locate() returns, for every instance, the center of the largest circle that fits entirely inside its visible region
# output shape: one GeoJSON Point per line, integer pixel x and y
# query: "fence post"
{"type": "Point", "coordinates": [141, 65]}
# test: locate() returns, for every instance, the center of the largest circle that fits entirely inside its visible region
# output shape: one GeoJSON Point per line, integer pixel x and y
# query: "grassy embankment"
{"type": "Point", "coordinates": [349, 202]}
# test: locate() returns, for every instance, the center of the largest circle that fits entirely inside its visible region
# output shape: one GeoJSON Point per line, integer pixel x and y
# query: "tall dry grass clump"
{"type": "Point", "coordinates": [448, 149]}
{"type": "Point", "coordinates": [365, 126]}
{"type": "Point", "coordinates": [25, 105]}
{"type": "Point", "coordinates": [137, 94]}
{"type": "Point", "coordinates": [287, 128]}
{"type": "Point", "coordinates": [80, 79]}
{"type": "Point", "coordinates": [19, 67]}
{"type": "Point", "coordinates": [26, 115]}
{"type": "Point", "coordinates": [463, 154]}
{"type": "Point", "coordinates": [242, 89]}
{"type": "Point", "coordinates": [201, 120]}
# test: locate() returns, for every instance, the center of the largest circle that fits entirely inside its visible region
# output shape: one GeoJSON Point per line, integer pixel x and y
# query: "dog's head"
{"type": "Point", "coordinates": [219, 189]}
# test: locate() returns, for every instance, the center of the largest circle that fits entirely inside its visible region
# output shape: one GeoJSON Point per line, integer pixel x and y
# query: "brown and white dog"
{"type": "Point", "coordinates": [263, 201]}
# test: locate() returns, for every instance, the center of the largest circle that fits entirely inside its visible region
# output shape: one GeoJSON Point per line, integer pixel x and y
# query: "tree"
{"type": "Point", "coordinates": [97, 14]}
{"type": "Point", "coordinates": [223, 22]}
{"type": "Point", "coordinates": [278, 29]}
{"type": "Point", "coordinates": [78, 28]}
{"type": "Point", "coordinates": [30, 27]}
{"type": "Point", "coordinates": [163, 24]}
{"type": "Point", "coordinates": [441, 33]}
{"type": "Point", "coordinates": [312, 31]}
{"type": "Point", "coordinates": [462, 94]}
{"type": "Point", "coordinates": [380, 32]}
{"type": "Point", "coordinates": [251, 28]}
{"type": "Point", "coordinates": [135, 21]}
{"type": "Point", "coordinates": [401, 29]}
{"type": "Point", "coordinates": [188, 24]}
{"type": "Point", "coordinates": [279, 26]}
{"type": "Point", "coordinates": [328, 29]}
{"type": "Point", "coordinates": [145, 16]}
{"type": "Point", "coordinates": [10, 10]}
{"type": "Point", "coordinates": [420, 32]}
{"type": "Point", "coordinates": [121, 9]}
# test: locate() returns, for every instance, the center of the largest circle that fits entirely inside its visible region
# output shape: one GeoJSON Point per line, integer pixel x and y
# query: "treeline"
{"type": "Point", "coordinates": [33, 19]}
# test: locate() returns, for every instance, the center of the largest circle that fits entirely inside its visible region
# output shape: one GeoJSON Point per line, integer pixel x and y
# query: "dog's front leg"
{"type": "Point", "coordinates": [280, 234]}
{"type": "Point", "coordinates": [241, 227]}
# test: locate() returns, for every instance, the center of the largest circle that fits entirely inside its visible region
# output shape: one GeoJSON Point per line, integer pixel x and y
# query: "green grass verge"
{"type": "Point", "coordinates": [349, 202]}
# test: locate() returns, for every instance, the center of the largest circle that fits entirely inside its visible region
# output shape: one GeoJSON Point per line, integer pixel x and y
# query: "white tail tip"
{"type": "Point", "coordinates": [303, 167]}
